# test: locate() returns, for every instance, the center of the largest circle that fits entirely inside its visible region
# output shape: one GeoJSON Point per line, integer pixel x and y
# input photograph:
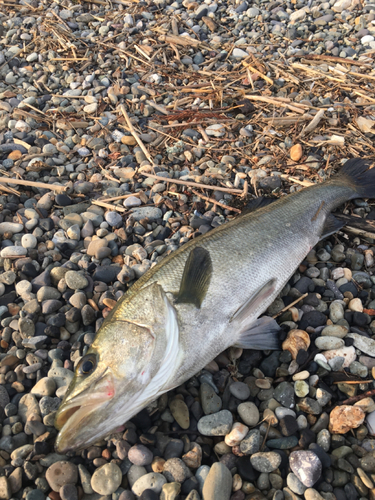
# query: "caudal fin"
{"type": "Point", "coordinates": [361, 176]}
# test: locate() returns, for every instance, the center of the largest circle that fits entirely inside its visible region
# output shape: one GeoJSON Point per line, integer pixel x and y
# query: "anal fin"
{"type": "Point", "coordinates": [196, 277]}
{"type": "Point", "coordinates": [263, 334]}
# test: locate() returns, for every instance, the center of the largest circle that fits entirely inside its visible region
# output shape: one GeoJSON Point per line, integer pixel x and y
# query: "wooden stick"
{"type": "Point", "coordinates": [135, 135]}
{"type": "Point", "coordinates": [206, 198]}
{"type": "Point", "coordinates": [277, 102]}
{"type": "Point", "coordinates": [297, 181]}
{"type": "Point", "coordinates": [340, 60]}
{"type": "Point", "coordinates": [358, 232]}
{"type": "Point", "coordinates": [355, 399]}
{"type": "Point", "coordinates": [290, 305]}
{"type": "Point", "coordinates": [192, 184]}
{"type": "Point", "coordinates": [108, 205]}
{"type": "Point", "coordinates": [254, 70]}
{"type": "Point", "coordinates": [123, 197]}
{"type": "Point", "coordinates": [21, 182]}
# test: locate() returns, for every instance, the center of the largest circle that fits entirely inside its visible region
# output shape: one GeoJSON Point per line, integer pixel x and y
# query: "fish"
{"type": "Point", "coordinates": [203, 298]}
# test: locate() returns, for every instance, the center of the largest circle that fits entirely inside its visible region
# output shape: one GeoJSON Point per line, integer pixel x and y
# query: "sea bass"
{"type": "Point", "coordinates": [205, 297]}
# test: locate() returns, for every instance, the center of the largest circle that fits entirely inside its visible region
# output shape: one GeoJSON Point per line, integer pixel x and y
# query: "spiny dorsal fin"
{"type": "Point", "coordinates": [196, 278]}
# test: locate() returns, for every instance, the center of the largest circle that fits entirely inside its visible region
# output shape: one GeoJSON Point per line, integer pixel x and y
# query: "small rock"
{"type": "Point", "coordinates": [306, 466]}
{"type": "Point", "coordinates": [296, 150]}
{"type": "Point", "coordinates": [343, 418]}
{"type": "Point", "coordinates": [106, 479]}
{"type": "Point", "coordinates": [218, 483]}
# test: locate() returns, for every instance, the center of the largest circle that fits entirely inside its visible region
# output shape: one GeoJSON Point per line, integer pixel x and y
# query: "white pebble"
{"type": "Point", "coordinates": [29, 241]}
{"type": "Point", "coordinates": [237, 434]}
{"type": "Point", "coordinates": [23, 286]}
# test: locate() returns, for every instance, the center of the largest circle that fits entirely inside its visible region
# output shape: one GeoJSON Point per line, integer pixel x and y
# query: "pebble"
{"type": "Point", "coordinates": [218, 483]}
{"type": "Point", "coordinates": [249, 413]}
{"type": "Point", "coordinates": [306, 466]}
{"type": "Point", "coordinates": [217, 424]}
{"type": "Point", "coordinates": [151, 481]}
{"type": "Point", "coordinates": [265, 461]}
{"type": "Point", "coordinates": [61, 473]}
{"type": "Point", "coordinates": [343, 418]}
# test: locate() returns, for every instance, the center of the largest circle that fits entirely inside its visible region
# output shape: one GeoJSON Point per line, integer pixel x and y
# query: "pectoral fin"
{"type": "Point", "coordinates": [244, 313]}
{"type": "Point", "coordinates": [263, 334]}
{"type": "Point", "coordinates": [196, 278]}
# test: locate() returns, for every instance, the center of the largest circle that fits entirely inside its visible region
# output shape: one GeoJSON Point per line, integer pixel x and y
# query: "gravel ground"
{"type": "Point", "coordinates": [126, 129]}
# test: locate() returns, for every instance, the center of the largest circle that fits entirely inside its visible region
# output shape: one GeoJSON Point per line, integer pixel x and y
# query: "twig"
{"type": "Point", "coordinates": [290, 305]}
{"type": "Point", "coordinates": [108, 205]}
{"type": "Point", "coordinates": [353, 382]}
{"type": "Point", "coordinates": [297, 181]}
{"type": "Point", "coordinates": [354, 399]}
{"type": "Point", "coordinates": [358, 232]}
{"type": "Point", "coordinates": [206, 198]}
{"type": "Point", "coordinates": [314, 123]}
{"type": "Point", "coordinates": [21, 182]}
{"type": "Point", "coordinates": [135, 135]}
{"type": "Point", "coordinates": [123, 197]}
{"type": "Point", "coordinates": [193, 184]}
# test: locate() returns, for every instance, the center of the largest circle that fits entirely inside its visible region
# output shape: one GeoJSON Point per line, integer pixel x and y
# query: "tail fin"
{"type": "Point", "coordinates": [361, 176]}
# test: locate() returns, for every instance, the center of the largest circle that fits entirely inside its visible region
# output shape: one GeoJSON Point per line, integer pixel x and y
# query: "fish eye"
{"type": "Point", "coordinates": [87, 364]}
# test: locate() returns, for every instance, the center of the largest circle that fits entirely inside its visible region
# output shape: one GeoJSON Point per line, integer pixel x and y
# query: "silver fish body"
{"type": "Point", "coordinates": [205, 297]}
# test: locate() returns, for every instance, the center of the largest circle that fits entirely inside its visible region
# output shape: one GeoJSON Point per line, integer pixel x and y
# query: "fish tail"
{"type": "Point", "coordinates": [359, 174]}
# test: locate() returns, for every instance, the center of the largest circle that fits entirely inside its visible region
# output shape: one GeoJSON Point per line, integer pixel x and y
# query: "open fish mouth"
{"type": "Point", "coordinates": [73, 415]}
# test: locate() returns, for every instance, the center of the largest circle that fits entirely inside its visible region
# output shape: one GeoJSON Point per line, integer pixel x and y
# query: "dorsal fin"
{"type": "Point", "coordinates": [196, 278]}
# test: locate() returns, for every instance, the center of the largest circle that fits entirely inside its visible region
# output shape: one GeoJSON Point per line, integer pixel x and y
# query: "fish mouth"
{"type": "Point", "coordinates": [73, 415]}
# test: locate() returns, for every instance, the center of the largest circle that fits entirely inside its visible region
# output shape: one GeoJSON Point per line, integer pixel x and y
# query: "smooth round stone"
{"type": "Point", "coordinates": [180, 413]}
{"type": "Point", "coordinates": [285, 443]}
{"type": "Point", "coordinates": [240, 390]}
{"type": "Point", "coordinates": [75, 280]}
{"type": "Point", "coordinates": [217, 424]}
{"type": "Point", "coordinates": [301, 388]}
{"type": "Point", "coordinates": [114, 219]}
{"type": "Point", "coordinates": [29, 241]}
{"type": "Point", "coordinates": [218, 483]}
{"type": "Point", "coordinates": [10, 227]}
{"type": "Point", "coordinates": [78, 300]}
{"type": "Point", "coordinates": [236, 435]}
{"type": "Point", "coordinates": [23, 287]}
{"type": "Point", "coordinates": [211, 402]}
{"type": "Point", "coordinates": [265, 461]}
{"type": "Point", "coordinates": [355, 305]}
{"type": "Point", "coordinates": [306, 466]}
{"type": "Point", "coordinates": [327, 343]}
{"type": "Point", "coordinates": [44, 387]}
{"type": "Point", "coordinates": [106, 479]}
{"type": "Point", "coordinates": [68, 492]}
{"type": "Point", "coordinates": [335, 331]}
{"type": "Point", "coordinates": [132, 201]}
{"type": "Point", "coordinates": [140, 455]}
{"type": "Point", "coordinates": [249, 413]}
{"type": "Point", "coordinates": [336, 311]}
{"type": "Point", "coordinates": [295, 484]}
{"type": "Point", "coordinates": [61, 473]}
{"type": "Point", "coordinates": [13, 251]}
{"type": "Point", "coordinates": [152, 481]}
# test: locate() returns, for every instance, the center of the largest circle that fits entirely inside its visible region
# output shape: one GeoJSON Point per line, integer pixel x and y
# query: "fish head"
{"type": "Point", "coordinates": [125, 369]}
